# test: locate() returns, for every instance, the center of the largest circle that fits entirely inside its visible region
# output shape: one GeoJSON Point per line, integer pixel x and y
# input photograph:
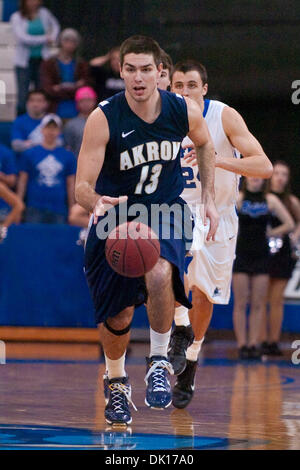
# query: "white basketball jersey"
{"type": "Point", "coordinates": [226, 182]}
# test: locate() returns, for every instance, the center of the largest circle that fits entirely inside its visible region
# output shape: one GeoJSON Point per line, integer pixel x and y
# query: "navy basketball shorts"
{"type": "Point", "coordinates": [111, 293]}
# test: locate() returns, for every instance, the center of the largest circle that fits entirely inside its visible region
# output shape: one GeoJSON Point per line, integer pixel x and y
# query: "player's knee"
{"type": "Point", "coordinates": [159, 276]}
{"type": "Point", "coordinates": [120, 324]}
{"type": "Point", "coordinates": [199, 296]}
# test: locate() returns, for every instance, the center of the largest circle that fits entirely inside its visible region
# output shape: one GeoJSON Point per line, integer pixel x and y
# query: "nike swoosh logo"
{"type": "Point", "coordinates": [230, 238]}
{"type": "Point", "coordinates": [125, 135]}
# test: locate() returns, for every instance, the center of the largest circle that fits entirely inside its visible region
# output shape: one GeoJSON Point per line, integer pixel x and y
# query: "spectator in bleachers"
{"type": "Point", "coordinates": [79, 216]}
{"type": "Point", "coordinates": [14, 213]}
{"type": "Point", "coordinates": [26, 132]}
{"type": "Point", "coordinates": [47, 177]}
{"type": "Point", "coordinates": [105, 71]}
{"type": "Point", "coordinates": [35, 30]}
{"type": "Point", "coordinates": [8, 176]}
{"type": "Point", "coordinates": [86, 100]}
{"type": "Point", "coordinates": [61, 76]}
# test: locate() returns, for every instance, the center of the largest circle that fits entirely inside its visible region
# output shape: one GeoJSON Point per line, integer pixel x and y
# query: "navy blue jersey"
{"type": "Point", "coordinates": [142, 160]}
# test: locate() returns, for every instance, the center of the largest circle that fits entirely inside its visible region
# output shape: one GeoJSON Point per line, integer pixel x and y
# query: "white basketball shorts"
{"type": "Point", "coordinates": [211, 267]}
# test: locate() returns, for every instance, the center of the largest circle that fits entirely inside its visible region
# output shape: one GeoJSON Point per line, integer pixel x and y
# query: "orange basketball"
{"type": "Point", "coordinates": [132, 249]}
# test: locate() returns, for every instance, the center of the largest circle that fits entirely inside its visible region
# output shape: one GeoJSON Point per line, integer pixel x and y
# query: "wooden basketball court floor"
{"type": "Point", "coordinates": [51, 397]}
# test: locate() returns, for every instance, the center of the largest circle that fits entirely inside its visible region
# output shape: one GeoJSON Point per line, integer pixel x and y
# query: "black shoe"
{"type": "Point", "coordinates": [274, 350]}
{"type": "Point", "coordinates": [264, 348]}
{"type": "Point", "coordinates": [181, 338]}
{"type": "Point", "coordinates": [254, 353]}
{"type": "Point", "coordinates": [244, 352]}
{"type": "Point", "coordinates": [183, 390]}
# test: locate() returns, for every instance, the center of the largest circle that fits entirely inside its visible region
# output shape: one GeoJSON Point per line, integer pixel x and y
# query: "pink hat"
{"type": "Point", "coordinates": [85, 92]}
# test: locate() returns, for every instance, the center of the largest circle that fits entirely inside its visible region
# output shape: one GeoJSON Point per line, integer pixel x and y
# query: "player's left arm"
{"type": "Point", "coordinates": [254, 162]}
{"type": "Point", "coordinates": [70, 182]}
{"type": "Point", "coordinates": [205, 153]}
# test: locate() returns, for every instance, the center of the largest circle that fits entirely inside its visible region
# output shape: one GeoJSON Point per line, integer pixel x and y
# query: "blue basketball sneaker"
{"type": "Point", "coordinates": [119, 396]}
{"type": "Point", "coordinates": [106, 387]}
{"type": "Point", "coordinates": [158, 392]}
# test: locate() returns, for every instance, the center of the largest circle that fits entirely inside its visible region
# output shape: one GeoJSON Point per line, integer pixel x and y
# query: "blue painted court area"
{"type": "Point", "coordinates": [56, 438]}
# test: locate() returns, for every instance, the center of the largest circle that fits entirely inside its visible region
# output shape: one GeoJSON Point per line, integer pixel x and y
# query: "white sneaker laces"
{"type": "Point", "coordinates": [157, 369]}
{"type": "Point", "coordinates": [116, 397]}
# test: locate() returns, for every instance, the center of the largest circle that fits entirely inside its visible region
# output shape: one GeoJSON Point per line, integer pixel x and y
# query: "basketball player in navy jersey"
{"type": "Point", "coordinates": [131, 154]}
{"type": "Point", "coordinates": [210, 271]}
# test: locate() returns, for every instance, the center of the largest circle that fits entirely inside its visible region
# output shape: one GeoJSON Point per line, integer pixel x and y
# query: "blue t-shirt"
{"type": "Point", "coordinates": [48, 171]}
{"type": "Point", "coordinates": [23, 127]}
{"type": "Point", "coordinates": [7, 166]}
{"type": "Point", "coordinates": [67, 108]}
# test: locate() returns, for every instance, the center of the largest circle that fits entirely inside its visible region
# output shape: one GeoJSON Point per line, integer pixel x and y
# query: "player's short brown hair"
{"type": "Point", "coordinates": [140, 45]}
{"type": "Point", "coordinates": [189, 65]}
{"type": "Point", "coordinates": [166, 61]}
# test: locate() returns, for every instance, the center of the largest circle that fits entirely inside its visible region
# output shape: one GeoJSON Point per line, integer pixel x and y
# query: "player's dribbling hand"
{"type": "Point", "coordinates": [211, 213]}
{"type": "Point", "coordinates": [105, 203]}
{"type": "Point", "coordinates": [190, 157]}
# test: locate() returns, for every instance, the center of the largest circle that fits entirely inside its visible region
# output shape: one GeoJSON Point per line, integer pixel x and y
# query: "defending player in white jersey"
{"type": "Point", "coordinates": [209, 273]}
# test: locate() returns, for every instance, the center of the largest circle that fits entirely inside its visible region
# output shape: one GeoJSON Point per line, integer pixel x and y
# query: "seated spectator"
{"type": "Point", "coordinates": [61, 76]}
{"type": "Point", "coordinates": [13, 216]}
{"type": "Point", "coordinates": [47, 177]}
{"type": "Point", "coordinates": [35, 30]}
{"type": "Point", "coordinates": [86, 100]}
{"type": "Point", "coordinates": [26, 132]}
{"type": "Point", "coordinates": [105, 71]}
{"type": "Point", "coordinates": [8, 177]}
{"type": "Point", "coordinates": [79, 216]}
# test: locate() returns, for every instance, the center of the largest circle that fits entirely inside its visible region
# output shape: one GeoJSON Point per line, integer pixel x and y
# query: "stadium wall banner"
{"type": "Point", "coordinates": [42, 282]}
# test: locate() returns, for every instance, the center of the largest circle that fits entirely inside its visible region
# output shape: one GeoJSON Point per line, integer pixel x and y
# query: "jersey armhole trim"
{"type": "Point", "coordinates": [109, 131]}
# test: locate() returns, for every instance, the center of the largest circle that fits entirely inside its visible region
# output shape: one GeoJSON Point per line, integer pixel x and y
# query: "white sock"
{"type": "Point", "coordinates": [115, 367]}
{"type": "Point", "coordinates": [193, 350]}
{"type": "Point", "coordinates": [181, 316]}
{"type": "Point", "coordinates": [159, 343]}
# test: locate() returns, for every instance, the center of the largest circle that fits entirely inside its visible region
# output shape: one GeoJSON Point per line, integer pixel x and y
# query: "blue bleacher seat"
{"type": "Point", "coordinates": [9, 7]}
{"type": "Point", "coordinates": [5, 128]}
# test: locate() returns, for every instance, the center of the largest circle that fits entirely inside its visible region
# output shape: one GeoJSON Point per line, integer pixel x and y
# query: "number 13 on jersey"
{"type": "Point", "coordinates": [152, 185]}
